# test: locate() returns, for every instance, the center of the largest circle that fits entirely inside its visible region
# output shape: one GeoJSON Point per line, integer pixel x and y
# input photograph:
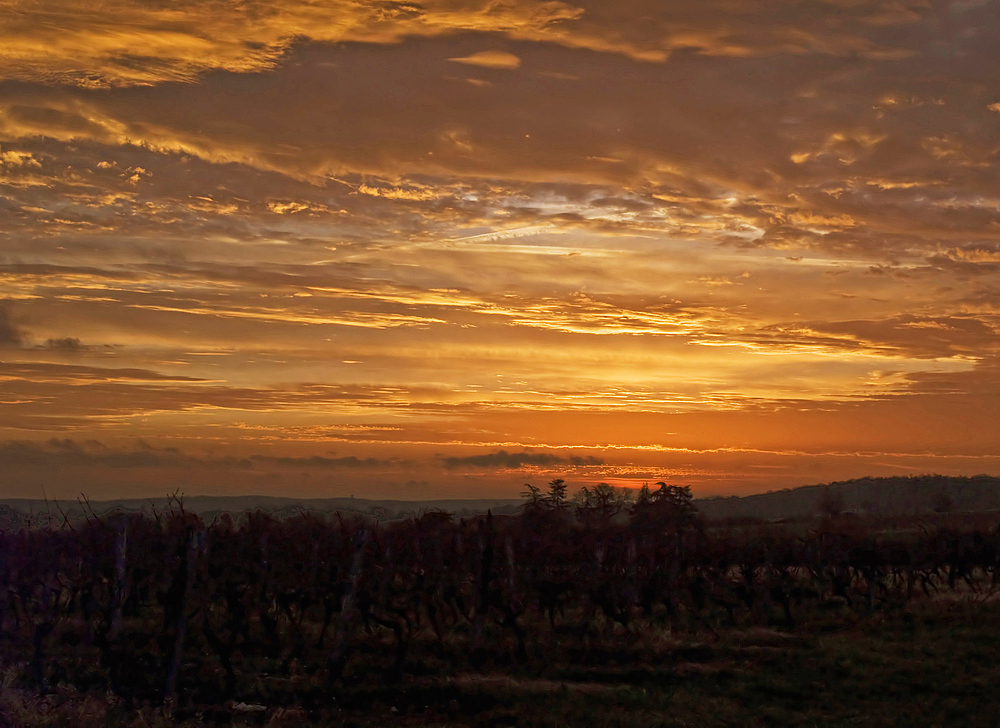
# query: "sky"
{"type": "Point", "coordinates": [440, 249]}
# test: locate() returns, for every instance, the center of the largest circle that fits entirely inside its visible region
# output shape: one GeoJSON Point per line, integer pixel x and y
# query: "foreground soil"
{"type": "Point", "coordinates": [933, 664]}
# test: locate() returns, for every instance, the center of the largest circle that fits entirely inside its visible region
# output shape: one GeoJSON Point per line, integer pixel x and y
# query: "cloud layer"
{"type": "Point", "coordinates": [394, 229]}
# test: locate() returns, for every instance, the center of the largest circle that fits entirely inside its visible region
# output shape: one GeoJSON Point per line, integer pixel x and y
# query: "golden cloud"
{"type": "Point", "coordinates": [92, 44]}
{"type": "Point", "coordinates": [491, 59]}
{"type": "Point", "coordinates": [100, 43]}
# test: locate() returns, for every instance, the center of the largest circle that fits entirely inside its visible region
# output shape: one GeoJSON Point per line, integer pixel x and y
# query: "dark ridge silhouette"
{"type": "Point", "coordinates": [18, 512]}
{"type": "Point", "coordinates": [889, 496]}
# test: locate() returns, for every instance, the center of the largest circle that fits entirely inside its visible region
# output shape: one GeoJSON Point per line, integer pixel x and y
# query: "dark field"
{"type": "Point", "coordinates": [593, 615]}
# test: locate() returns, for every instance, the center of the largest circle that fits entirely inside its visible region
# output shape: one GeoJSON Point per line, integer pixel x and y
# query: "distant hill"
{"type": "Point", "coordinates": [17, 512]}
{"type": "Point", "coordinates": [870, 496]}
{"type": "Point", "coordinates": [894, 496]}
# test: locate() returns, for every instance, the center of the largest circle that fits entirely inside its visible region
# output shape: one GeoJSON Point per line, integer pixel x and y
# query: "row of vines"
{"type": "Point", "coordinates": [171, 609]}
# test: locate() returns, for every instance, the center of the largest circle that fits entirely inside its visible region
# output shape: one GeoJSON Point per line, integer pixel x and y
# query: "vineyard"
{"type": "Point", "coordinates": [255, 618]}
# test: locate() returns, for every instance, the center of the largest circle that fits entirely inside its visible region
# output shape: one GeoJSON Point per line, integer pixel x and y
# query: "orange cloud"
{"type": "Point", "coordinates": [491, 59]}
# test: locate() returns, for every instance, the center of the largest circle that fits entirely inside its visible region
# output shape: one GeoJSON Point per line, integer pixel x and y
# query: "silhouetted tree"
{"type": "Point", "coordinates": [669, 507]}
{"type": "Point", "coordinates": [556, 497]}
{"type": "Point", "coordinates": [601, 503]}
{"type": "Point", "coordinates": [533, 495]}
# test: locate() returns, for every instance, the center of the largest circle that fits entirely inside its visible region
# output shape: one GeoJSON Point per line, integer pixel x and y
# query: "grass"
{"type": "Point", "coordinates": [934, 665]}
